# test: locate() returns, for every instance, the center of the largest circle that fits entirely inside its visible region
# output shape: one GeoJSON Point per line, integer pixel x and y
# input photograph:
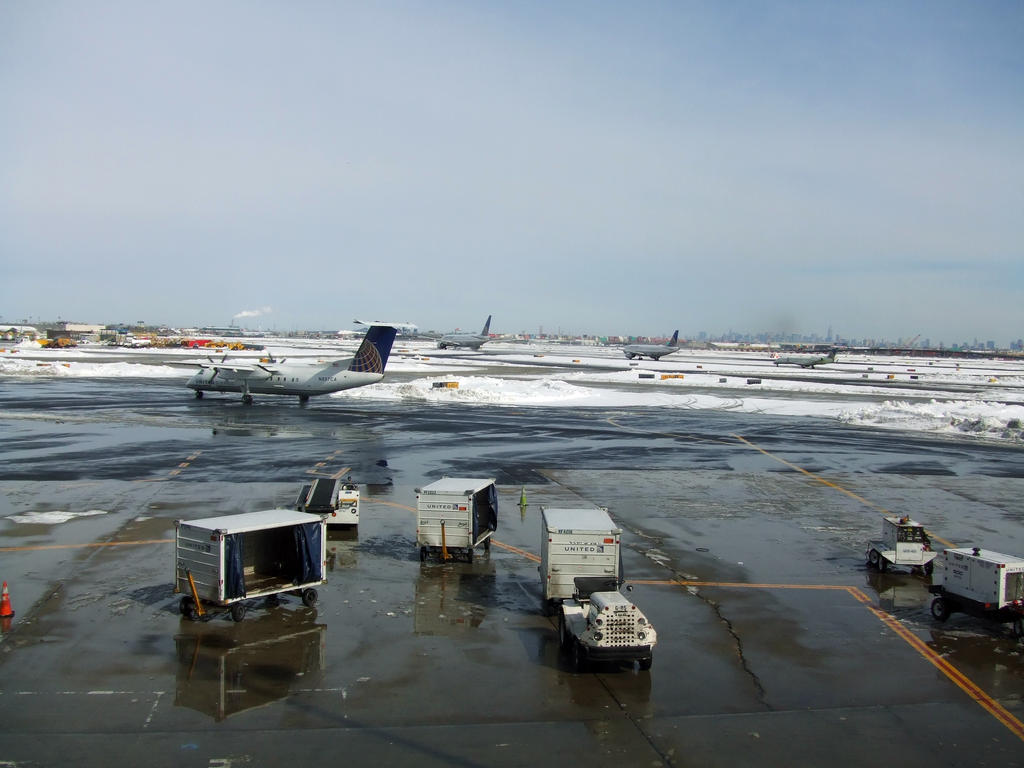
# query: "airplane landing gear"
{"type": "Point", "coordinates": [246, 399]}
{"type": "Point", "coordinates": [303, 399]}
{"type": "Point", "coordinates": [199, 394]}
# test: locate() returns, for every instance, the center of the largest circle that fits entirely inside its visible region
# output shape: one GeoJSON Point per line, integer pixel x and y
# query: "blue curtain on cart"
{"type": "Point", "coordinates": [308, 545]}
{"type": "Point", "coordinates": [234, 571]}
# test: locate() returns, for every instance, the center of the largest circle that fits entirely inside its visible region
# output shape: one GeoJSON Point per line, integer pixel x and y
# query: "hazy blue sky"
{"type": "Point", "coordinates": [601, 167]}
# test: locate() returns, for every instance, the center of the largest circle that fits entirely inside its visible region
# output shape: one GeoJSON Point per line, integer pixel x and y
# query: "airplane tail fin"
{"type": "Point", "coordinates": [487, 327]}
{"type": "Point", "coordinates": [675, 339]}
{"type": "Point", "coordinates": [373, 352]}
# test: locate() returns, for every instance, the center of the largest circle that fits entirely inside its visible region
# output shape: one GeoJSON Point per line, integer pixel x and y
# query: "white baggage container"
{"type": "Point", "coordinates": [577, 542]}
{"type": "Point", "coordinates": [981, 583]}
{"type": "Point", "coordinates": [456, 514]}
{"type": "Point", "coordinates": [234, 558]}
{"type": "Point", "coordinates": [904, 542]}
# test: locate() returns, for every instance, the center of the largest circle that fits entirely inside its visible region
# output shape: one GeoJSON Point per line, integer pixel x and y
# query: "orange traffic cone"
{"type": "Point", "coordinates": [5, 604]}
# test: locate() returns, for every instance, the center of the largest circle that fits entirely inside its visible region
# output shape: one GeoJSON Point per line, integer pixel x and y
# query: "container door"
{"type": "Point", "coordinates": [485, 512]}
{"type": "Point", "coordinates": [1014, 587]}
{"type": "Point", "coordinates": [308, 546]}
{"type": "Point", "coordinates": [234, 568]}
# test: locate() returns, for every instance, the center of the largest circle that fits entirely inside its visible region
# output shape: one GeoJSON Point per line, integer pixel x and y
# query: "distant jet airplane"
{"type": "Point", "coordinates": [300, 377]}
{"type": "Point", "coordinates": [807, 361]}
{"type": "Point", "coordinates": [469, 340]}
{"type": "Point", "coordinates": [653, 351]}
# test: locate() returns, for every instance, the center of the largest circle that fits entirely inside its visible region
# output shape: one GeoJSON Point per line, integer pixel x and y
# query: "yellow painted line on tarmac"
{"type": "Point", "coordinates": [734, 584]}
{"type": "Point", "coordinates": [611, 420]}
{"type": "Point", "coordinates": [814, 477]}
{"type": "Point", "coordinates": [516, 550]}
{"type": "Point", "coordinates": [391, 504]}
{"type": "Point", "coordinates": [835, 486]}
{"type": "Point", "coordinates": [968, 686]}
{"type": "Point", "coordinates": [40, 547]}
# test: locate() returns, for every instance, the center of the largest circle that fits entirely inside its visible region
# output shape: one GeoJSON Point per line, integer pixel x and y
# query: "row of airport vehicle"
{"type": "Point", "coordinates": [971, 580]}
{"type": "Point", "coordinates": [223, 562]}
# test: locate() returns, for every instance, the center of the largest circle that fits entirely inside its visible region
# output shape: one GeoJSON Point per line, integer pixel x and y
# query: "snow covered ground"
{"type": "Point", "coordinates": [982, 398]}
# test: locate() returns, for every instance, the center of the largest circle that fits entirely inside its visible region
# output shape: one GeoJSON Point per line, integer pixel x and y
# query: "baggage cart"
{"type": "Point", "coordinates": [980, 583]}
{"type": "Point", "coordinates": [454, 515]}
{"type": "Point", "coordinates": [223, 562]}
{"type": "Point", "coordinates": [576, 542]}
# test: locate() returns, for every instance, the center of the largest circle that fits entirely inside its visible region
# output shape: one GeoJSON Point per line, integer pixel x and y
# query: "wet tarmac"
{"type": "Point", "coordinates": [744, 541]}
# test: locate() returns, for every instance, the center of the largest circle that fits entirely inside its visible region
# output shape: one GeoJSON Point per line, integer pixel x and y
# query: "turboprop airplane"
{"type": "Point", "coordinates": [807, 361]}
{"type": "Point", "coordinates": [469, 340]}
{"type": "Point", "coordinates": [299, 377]}
{"type": "Point", "coordinates": [653, 351]}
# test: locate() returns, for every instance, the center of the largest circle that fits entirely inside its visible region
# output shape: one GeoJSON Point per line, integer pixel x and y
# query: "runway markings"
{"type": "Point", "coordinates": [990, 705]}
{"type": "Point", "coordinates": [40, 547]}
{"type": "Point", "coordinates": [819, 479]}
{"type": "Point", "coordinates": [968, 686]}
{"type": "Point", "coordinates": [317, 469]}
{"type": "Point", "coordinates": [185, 464]}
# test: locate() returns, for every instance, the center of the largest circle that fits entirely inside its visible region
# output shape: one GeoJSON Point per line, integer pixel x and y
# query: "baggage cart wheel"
{"type": "Point", "coordinates": [309, 597]}
{"type": "Point", "coordinates": [579, 658]}
{"type": "Point", "coordinates": [940, 609]}
{"type": "Point", "coordinates": [487, 544]}
{"type": "Point", "coordinates": [1018, 628]}
{"type": "Point", "coordinates": [469, 555]}
{"type": "Point", "coordinates": [883, 564]}
{"type": "Point", "coordinates": [237, 611]}
{"type": "Point", "coordinates": [929, 568]}
{"type": "Point", "coordinates": [188, 608]}
{"type": "Point", "coordinates": [874, 558]}
{"type": "Point", "coordinates": [645, 664]}
{"type": "Point", "coordinates": [273, 601]}
{"type": "Point", "coordinates": [423, 554]}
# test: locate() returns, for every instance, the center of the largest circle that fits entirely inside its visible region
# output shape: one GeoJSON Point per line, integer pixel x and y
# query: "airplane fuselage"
{"type": "Point", "coordinates": [467, 341]}
{"type": "Point", "coordinates": [806, 361]}
{"type": "Point", "coordinates": [653, 351]}
{"type": "Point", "coordinates": [299, 379]}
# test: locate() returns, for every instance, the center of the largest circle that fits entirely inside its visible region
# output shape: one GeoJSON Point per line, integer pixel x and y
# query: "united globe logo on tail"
{"type": "Point", "coordinates": [373, 353]}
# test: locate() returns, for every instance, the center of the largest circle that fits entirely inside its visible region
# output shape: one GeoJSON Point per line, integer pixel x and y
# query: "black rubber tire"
{"type": "Point", "coordinates": [188, 608]}
{"type": "Point", "coordinates": [874, 558]}
{"type": "Point", "coordinates": [199, 394]}
{"type": "Point", "coordinates": [423, 554]}
{"type": "Point", "coordinates": [246, 399]}
{"type": "Point", "coordinates": [487, 544]}
{"type": "Point", "coordinates": [469, 555]}
{"type": "Point", "coordinates": [309, 597]}
{"type": "Point", "coordinates": [645, 664]}
{"type": "Point", "coordinates": [579, 658]}
{"type": "Point", "coordinates": [883, 564]}
{"type": "Point", "coordinates": [1018, 628]}
{"type": "Point", "coordinates": [563, 632]}
{"type": "Point", "coordinates": [940, 609]}
{"type": "Point", "coordinates": [237, 611]}
{"type": "Point", "coordinates": [929, 568]}
{"type": "Point", "coordinates": [273, 601]}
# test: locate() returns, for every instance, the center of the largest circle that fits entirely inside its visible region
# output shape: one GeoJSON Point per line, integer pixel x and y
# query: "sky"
{"type": "Point", "coordinates": [585, 167]}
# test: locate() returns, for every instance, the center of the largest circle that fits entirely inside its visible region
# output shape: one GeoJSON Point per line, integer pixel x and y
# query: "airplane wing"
{"type": "Point", "coordinates": [240, 368]}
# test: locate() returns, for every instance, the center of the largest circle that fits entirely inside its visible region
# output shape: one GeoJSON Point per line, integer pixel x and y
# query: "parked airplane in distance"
{"type": "Point", "coordinates": [807, 361]}
{"type": "Point", "coordinates": [653, 351]}
{"type": "Point", "coordinates": [468, 340]}
{"type": "Point", "coordinates": [300, 377]}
